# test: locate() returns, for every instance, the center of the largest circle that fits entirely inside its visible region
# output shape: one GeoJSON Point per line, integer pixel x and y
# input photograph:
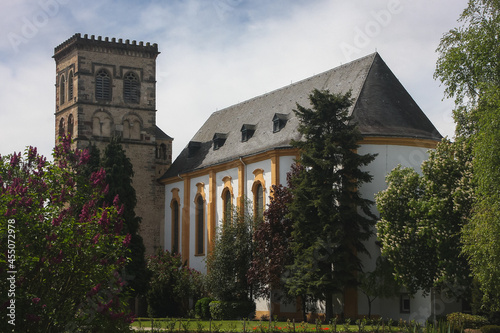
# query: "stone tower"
{"type": "Point", "coordinates": [107, 88]}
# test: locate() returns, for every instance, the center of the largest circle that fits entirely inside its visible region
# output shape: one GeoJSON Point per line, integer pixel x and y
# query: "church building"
{"type": "Point", "coordinates": [106, 88]}
{"type": "Point", "coordinates": [242, 150]}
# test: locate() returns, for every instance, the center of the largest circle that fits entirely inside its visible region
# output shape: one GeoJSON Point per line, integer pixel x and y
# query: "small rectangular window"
{"type": "Point", "coordinates": [404, 303]}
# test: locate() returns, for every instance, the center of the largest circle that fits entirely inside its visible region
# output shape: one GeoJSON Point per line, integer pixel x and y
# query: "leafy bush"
{"type": "Point", "coordinates": [459, 321]}
{"type": "Point", "coordinates": [70, 247]}
{"type": "Point", "coordinates": [202, 308]}
{"type": "Point", "coordinates": [171, 285]}
{"type": "Point", "coordinates": [490, 329]}
{"type": "Point", "coordinates": [222, 310]}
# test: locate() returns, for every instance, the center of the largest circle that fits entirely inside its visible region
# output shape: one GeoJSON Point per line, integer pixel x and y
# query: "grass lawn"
{"type": "Point", "coordinates": [195, 325]}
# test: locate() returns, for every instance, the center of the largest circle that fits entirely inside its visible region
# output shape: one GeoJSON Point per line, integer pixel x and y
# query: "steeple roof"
{"type": "Point", "coordinates": [381, 107]}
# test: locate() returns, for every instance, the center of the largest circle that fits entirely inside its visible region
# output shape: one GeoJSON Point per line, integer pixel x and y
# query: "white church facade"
{"type": "Point", "coordinates": [241, 151]}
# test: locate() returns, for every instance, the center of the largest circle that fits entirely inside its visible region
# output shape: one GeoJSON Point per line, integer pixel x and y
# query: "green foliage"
{"type": "Point", "coordinates": [465, 63]}
{"type": "Point", "coordinates": [378, 283]}
{"type": "Point", "coordinates": [460, 321]}
{"type": "Point", "coordinates": [66, 250]}
{"type": "Point", "coordinates": [202, 308]}
{"type": "Point", "coordinates": [482, 233]}
{"type": "Point", "coordinates": [171, 285]}
{"type": "Point", "coordinates": [226, 310]}
{"type": "Point", "coordinates": [472, 75]}
{"type": "Point", "coordinates": [421, 218]}
{"type": "Point", "coordinates": [330, 218]}
{"type": "Point", "coordinates": [272, 239]}
{"type": "Point", "coordinates": [119, 174]}
{"type": "Point", "coordinates": [228, 263]}
{"type": "Point", "coordinates": [490, 329]}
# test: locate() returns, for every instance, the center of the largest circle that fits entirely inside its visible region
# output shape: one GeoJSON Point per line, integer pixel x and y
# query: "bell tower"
{"type": "Point", "coordinates": [106, 88]}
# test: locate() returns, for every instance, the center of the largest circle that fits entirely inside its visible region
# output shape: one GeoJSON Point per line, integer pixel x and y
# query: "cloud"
{"type": "Point", "coordinates": [217, 53]}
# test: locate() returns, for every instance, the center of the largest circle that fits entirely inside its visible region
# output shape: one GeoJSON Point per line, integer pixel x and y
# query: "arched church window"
{"type": "Point", "coordinates": [258, 201]}
{"type": "Point", "coordinates": [103, 85]}
{"type": "Point", "coordinates": [70, 125]}
{"type": "Point", "coordinates": [70, 86]}
{"type": "Point", "coordinates": [227, 209]}
{"type": "Point", "coordinates": [200, 225]}
{"type": "Point", "coordinates": [62, 89]}
{"type": "Point", "coordinates": [62, 130]}
{"type": "Point", "coordinates": [175, 226]}
{"type": "Point", "coordinates": [131, 88]}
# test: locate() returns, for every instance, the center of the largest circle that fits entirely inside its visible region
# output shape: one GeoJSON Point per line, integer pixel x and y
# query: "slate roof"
{"type": "Point", "coordinates": [382, 107]}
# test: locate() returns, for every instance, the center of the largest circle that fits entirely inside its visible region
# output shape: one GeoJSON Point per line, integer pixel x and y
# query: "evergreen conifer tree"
{"type": "Point", "coordinates": [330, 218]}
{"type": "Point", "coordinates": [119, 173]}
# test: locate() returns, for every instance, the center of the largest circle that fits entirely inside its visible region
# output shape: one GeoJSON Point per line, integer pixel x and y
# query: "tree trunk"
{"type": "Point", "coordinates": [304, 314]}
{"type": "Point", "coordinates": [329, 307]}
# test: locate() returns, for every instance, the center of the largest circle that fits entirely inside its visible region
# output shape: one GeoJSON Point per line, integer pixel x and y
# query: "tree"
{"type": "Point", "coordinates": [421, 218]}
{"type": "Point", "coordinates": [171, 286]}
{"type": "Point", "coordinates": [378, 283]}
{"type": "Point", "coordinates": [330, 218]}
{"type": "Point", "coordinates": [65, 251]}
{"type": "Point", "coordinates": [271, 240]}
{"type": "Point", "coordinates": [482, 233]}
{"type": "Point", "coordinates": [119, 174]}
{"type": "Point", "coordinates": [229, 262]}
{"type": "Point", "coordinates": [469, 67]}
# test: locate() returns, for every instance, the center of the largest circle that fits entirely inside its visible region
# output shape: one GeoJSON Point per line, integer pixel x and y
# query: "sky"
{"type": "Point", "coordinates": [216, 53]}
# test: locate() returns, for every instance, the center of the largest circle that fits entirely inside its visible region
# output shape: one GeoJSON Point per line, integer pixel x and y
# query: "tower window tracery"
{"type": "Point", "coordinates": [103, 85]}
{"type": "Point", "coordinates": [131, 88]}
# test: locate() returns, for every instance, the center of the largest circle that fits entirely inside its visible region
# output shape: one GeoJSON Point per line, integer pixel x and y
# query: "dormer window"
{"type": "Point", "coordinates": [247, 132]}
{"type": "Point", "coordinates": [219, 140]}
{"type": "Point", "coordinates": [279, 121]}
{"type": "Point", "coordinates": [193, 147]}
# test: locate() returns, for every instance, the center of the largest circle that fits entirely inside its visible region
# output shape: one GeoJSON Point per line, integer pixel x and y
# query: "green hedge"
{"type": "Point", "coordinates": [202, 308]}
{"type": "Point", "coordinates": [490, 329]}
{"type": "Point", "coordinates": [221, 310]}
{"type": "Point", "coordinates": [459, 321]}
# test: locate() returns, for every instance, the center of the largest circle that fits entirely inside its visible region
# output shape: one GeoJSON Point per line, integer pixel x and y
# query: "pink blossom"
{"type": "Point", "coordinates": [94, 290]}
{"type": "Point", "coordinates": [36, 300]}
{"type": "Point", "coordinates": [14, 160]}
{"type": "Point", "coordinates": [127, 239]}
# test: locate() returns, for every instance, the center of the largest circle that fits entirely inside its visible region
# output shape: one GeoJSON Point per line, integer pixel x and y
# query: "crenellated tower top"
{"type": "Point", "coordinates": [127, 47]}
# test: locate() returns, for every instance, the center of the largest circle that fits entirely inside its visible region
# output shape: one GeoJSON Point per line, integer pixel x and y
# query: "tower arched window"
{"type": "Point", "coordinates": [175, 226]}
{"type": "Point", "coordinates": [163, 151]}
{"type": "Point", "coordinates": [70, 125]}
{"type": "Point", "coordinates": [200, 225]}
{"type": "Point", "coordinates": [131, 88]}
{"type": "Point", "coordinates": [103, 85]}
{"type": "Point", "coordinates": [62, 130]}
{"type": "Point", "coordinates": [70, 86]}
{"type": "Point", "coordinates": [62, 90]}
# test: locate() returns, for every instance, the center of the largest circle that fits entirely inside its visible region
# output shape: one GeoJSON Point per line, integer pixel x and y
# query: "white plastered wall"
{"type": "Point", "coordinates": [389, 156]}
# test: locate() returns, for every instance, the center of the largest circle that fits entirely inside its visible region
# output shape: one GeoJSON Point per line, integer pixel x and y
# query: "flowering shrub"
{"type": "Point", "coordinates": [460, 321]}
{"type": "Point", "coordinates": [64, 251]}
{"type": "Point", "coordinates": [171, 285]}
